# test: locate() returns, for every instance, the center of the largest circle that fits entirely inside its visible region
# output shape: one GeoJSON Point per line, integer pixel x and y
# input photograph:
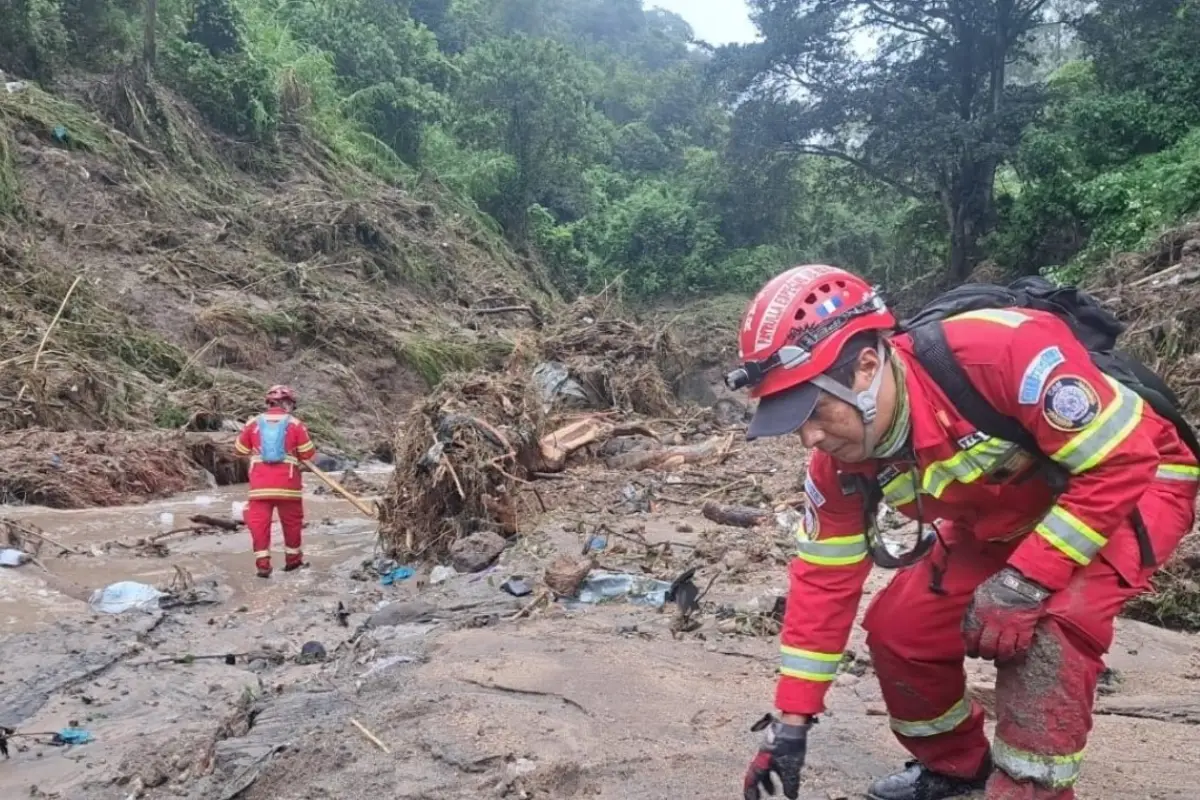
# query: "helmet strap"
{"type": "Point", "coordinates": [866, 401]}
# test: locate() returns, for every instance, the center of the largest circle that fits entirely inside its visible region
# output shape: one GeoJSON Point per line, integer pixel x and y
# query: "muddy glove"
{"type": "Point", "coordinates": [1002, 616]}
{"type": "Point", "coordinates": [782, 753]}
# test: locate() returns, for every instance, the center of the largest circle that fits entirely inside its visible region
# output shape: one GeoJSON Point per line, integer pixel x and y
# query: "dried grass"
{"type": "Point", "coordinates": [82, 470]}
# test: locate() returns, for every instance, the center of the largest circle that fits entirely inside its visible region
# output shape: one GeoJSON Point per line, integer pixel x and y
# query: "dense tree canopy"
{"type": "Point", "coordinates": [899, 138]}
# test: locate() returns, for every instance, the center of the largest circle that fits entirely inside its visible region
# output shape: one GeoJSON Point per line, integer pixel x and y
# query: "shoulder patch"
{"type": "Point", "coordinates": [812, 523]}
{"type": "Point", "coordinates": [1070, 403]}
{"type": "Point", "coordinates": [1036, 373]}
{"type": "Point", "coordinates": [814, 494]}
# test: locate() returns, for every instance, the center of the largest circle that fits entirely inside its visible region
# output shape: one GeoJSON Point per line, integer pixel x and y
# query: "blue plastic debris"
{"type": "Point", "coordinates": [397, 574]}
{"type": "Point", "coordinates": [71, 736]}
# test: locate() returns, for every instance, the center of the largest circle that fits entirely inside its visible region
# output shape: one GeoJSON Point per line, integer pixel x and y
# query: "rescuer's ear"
{"type": "Point", "coordinates": [866, 366]}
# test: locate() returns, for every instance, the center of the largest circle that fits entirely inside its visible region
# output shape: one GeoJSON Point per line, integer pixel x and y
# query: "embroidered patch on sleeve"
{"type": "Point", "coordinates": [812, 523]}
{"type": "Point", "coordinates": [814, 494]}
{"type": "Point", "coordinates": [1070, 403]}
{"type": "Point", "coordinates": [1036, 373]}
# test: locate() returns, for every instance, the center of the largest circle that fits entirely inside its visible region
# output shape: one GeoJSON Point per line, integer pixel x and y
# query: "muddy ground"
{"type": "Point", "coordinates": [567, 701]}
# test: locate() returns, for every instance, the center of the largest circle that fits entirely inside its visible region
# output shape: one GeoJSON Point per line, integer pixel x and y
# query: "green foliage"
{"type": "Point", "coordinates": [236, 93]}
{"type": "Point", "coordinates": [1114, 158]}
{"type": "Point", "coordinates": [33, 40]}
{"type": "Point", "coordinates": [10, 187]}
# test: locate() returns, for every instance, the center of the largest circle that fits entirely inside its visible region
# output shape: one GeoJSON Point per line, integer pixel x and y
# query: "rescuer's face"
{"type": "Point", "coordinates": [836, 428]}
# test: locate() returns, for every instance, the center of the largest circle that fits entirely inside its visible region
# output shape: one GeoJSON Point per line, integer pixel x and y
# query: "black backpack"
{"type": "Point", "coordinates": [1093, 325]}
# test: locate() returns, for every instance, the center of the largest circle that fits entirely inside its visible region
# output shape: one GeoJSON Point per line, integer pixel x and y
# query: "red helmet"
{"type": "Point", "coordinates": [793, 331]}
{"type": "Point", "coordinates": [281, 394]}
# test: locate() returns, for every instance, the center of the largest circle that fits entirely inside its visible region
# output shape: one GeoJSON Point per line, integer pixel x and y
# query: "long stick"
{"type": "Point", "coordinates": [342, 490]}
{"type": "Point", "coordinates": [37, 357]}
{"type": "Point", "coordinates": [370, 735]}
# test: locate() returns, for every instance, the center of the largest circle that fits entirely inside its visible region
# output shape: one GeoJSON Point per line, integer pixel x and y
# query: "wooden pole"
{"type": "Point", "coordinates": [342, 490]}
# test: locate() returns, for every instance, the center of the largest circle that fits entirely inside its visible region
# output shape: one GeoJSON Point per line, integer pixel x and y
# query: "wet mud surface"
{"type": "Point", "coordinates": [566, 701]}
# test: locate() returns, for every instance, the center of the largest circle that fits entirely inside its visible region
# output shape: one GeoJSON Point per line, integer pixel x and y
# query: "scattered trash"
{"type": "Point", "coordinates": [237, 510]}
{"type": "Point", "coordinates": [638, 589]}
{"type": "Point", "coordinates": [13, 558]}
{"type": "Point", "coordinates": [15, 86]}
{"type": "Point", "coordinates": [517, 587]}
{"type": "Point", "coordinates": [311, 653]}
{"type": "Point", "coordinates": [684, 593]}
{"type": "Point", "coordinates": [441, 574]}
{"type": "Point", "coordinates": [69, 736]}
{"type": "Point", "coordinates": [60, 134]}
{"type": "Point", "coordinates": [554, 380]}
{"type": "Point", "coordinates": [166, 520]}
{"type": "Point", "coordinates": [342, 615]}
{"type": "Point", "coordinates": [117, 598]}
{"type": "Point", "coordinates": [399, 573]}
{"type": "Point", "coordinates": [598, 542]}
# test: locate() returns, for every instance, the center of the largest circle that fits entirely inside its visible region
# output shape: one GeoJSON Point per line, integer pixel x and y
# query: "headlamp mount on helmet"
{"type": "Point", "coordinates": [752, 373]}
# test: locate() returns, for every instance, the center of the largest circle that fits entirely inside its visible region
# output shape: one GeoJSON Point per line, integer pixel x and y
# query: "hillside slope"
{"type": "Point", "coordinates": [178, 273]}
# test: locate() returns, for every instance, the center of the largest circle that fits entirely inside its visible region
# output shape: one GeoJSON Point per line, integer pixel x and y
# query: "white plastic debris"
{"type": "Point", "coordinates": [12, 558]}
{"type": "Point", "coordinates": [237, 510]}
{"type": "Point", "coordinates": [117, 598]}
{"type": "Point", "coordinates": [440, 574]}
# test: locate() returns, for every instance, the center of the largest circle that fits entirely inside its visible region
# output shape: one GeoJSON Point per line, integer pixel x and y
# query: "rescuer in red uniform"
{"type": "Point", "coordinates": [276, 442]}
{"type": "Point", "coordinates": [1007, 568]}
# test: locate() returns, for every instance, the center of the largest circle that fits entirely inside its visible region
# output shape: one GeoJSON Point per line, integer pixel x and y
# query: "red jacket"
{"type": "Point", "coordinates": [1031, 368]}
{"type": "Point", "coordinates": [277, 481]}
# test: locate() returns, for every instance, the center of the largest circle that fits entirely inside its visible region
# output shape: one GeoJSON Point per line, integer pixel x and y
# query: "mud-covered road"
{"type": "Point", "coordinates": [571, 702]}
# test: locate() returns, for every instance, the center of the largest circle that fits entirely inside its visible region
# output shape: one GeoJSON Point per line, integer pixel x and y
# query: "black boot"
{"type": "Point", "coordinates": [917, 782]}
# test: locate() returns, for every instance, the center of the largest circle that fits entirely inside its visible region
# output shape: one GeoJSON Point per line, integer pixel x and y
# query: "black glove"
{"type": "Point", "coordinates": [782, 752]}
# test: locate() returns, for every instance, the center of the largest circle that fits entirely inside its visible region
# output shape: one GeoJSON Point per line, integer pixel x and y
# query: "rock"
{"type": "Point", "coordinates": [311, 653]}
{"type": "Point", "coordinates": [402, 613]}
{"type": "Point", "coordinates": [566, 574]}
{"type": "Point", "coordinates": [328, 463]}
{"type": "Point", "coordinates": [735, 560]}
{"type": "Point", "coordinates": [476, 552]}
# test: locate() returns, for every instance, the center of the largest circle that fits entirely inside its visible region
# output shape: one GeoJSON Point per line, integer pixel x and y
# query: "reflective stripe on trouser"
{"type": "Point", "coordinates": [957, 715]}
{"type": "Point", "coordinates": [808, 665]}
{"type": "Point", "coordinates": [291, 519]}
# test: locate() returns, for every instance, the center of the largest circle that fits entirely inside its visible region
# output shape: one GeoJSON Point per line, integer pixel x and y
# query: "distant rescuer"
{"type": "Point", "coordinates": [1012, 564]}
{"type": "Point", "coordinates": [276, 442]}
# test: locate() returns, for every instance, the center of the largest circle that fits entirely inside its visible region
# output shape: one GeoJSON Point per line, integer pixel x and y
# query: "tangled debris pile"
{"type": "Point", "coordinates": [79, 470]}
{"type": "Point", "coordinates": [465, 454]}
{"type": "Point", "coordinates": [1157, 294]}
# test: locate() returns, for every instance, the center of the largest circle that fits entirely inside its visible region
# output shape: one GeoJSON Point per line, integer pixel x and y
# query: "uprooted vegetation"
{"type": "Point", "coordinates": [155, 274]}
{"type": "Point", "coordinates": [466, 455]}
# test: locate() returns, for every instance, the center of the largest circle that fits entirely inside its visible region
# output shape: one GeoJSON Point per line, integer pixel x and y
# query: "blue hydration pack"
{"type": "Point", "coordinates": [272, 435]}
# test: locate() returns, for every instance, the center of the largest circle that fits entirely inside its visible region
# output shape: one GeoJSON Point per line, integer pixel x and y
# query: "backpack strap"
{"type": "Point", "coordinates": [933, 351]}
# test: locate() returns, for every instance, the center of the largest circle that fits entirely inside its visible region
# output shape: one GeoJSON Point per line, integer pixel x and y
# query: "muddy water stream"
{"type": "Point", "coordinates": [30, 598]}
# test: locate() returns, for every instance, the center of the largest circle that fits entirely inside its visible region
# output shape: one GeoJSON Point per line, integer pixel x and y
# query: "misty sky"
{"type": "Point", "coordinates": [715, 21]}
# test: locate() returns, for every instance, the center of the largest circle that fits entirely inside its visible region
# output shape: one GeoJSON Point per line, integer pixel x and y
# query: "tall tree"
{"type": "Point", "coordinates": [914, 93]}
{"type": "Point", "coordinates": [532, 99]}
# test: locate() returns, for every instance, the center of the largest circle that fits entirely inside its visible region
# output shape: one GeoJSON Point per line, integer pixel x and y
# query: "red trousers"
{"type": "Point", "coordinates": [291, 519]}
{"type": "Point", "coordinates": [1043, 702]}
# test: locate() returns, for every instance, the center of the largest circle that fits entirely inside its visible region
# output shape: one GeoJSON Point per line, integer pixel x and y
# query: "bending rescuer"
{"type": "Point", "coordinates": [276, 442]}
{"type": "Point", "coordinates": [1008, 567]}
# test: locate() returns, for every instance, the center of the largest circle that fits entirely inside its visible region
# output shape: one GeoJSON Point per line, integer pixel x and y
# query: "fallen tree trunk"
{"type": "Point", "coordinates": [669, 458]}
{"type": "Point", "coordinates": [736, 516]}
{"type": "Point", "coordinates": [557, 446]}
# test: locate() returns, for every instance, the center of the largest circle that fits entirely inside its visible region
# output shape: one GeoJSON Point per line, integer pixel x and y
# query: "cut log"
{"type": "Point", "coordinates": [669, 458]}
{"type": "Point", "coordinates": [558, 445]}
{"type": "Point", "coordinates": [736, 516]}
